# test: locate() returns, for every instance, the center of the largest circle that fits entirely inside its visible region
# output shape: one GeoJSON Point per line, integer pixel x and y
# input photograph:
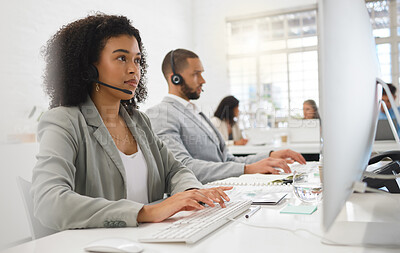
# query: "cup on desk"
{"type": "Point", "coordinates": [307, 185]}
{"type": "Point", "coordinates": [284, 138]}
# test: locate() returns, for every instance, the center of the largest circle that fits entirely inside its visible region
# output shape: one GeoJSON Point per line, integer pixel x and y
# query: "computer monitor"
{"type": "Point", "coordinates": [348, 93]}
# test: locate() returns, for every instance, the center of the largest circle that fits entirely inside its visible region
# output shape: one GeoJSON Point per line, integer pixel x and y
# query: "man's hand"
{"type": "Point", "coordinates": [289, 155]}
{"type": "Point", "coordinates": [267, 166]}
{"type": "Point", "coordinates": [241, 142]}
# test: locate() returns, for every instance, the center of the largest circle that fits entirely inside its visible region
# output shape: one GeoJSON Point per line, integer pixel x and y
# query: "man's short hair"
{"type": "Point", "coordinates": [392, 88]}
{"type": "Point", "coordinates": [180, 62]}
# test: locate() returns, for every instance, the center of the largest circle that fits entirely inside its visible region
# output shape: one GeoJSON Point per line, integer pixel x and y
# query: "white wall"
{"type": "Point", "coordinates": [210, 41]}
{"type": "Point", "coordinates": [26, 26]}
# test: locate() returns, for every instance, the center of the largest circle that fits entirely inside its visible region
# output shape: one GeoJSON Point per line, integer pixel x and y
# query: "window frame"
{"type": "Point", "coordinates": [287, 50]}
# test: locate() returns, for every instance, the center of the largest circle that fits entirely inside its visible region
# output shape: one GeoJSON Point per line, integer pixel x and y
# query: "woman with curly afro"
{"type": "Point", "coordinates": [99, 163]}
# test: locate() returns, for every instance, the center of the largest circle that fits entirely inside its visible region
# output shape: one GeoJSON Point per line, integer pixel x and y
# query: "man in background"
{"type": "Point", "coordinates": [190, 135]}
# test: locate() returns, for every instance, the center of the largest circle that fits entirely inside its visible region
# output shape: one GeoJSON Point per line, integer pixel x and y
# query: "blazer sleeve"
{"type": "Point", "coordinates": [166, 125]}
{"type": "Point", "coordinates": [56, 204]}
{"type": "Point", "coordinates": [247, 159]}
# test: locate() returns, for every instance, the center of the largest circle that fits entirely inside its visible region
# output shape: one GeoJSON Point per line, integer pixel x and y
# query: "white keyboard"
{"type": "Point", "coordinates": [200, 223]}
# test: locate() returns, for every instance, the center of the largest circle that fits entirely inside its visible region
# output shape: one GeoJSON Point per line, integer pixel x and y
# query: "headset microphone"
{"type": "Point", "coordinates": [93, 75]}
{"type": "Point", "coordinates": [112, 87]}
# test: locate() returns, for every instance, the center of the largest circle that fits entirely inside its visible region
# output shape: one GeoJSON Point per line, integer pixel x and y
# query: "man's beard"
{"type": "Point", "coordinates": [191, 95]}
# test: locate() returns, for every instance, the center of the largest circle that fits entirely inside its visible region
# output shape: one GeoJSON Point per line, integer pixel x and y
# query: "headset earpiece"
{"type": "Point", "coordinates": [93, 73]}
{"type": "Point", "coordinates": [175, 78]}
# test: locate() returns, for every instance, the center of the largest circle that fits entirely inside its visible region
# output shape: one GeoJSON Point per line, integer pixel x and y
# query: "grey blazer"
{"type": "Point", "coordinates": [79, 179]}
{"type": "Point", "coordinates": [193, 144]}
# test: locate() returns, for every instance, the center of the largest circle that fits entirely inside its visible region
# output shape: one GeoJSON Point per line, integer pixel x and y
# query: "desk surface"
{"type": "Point", "coordinates": [233, 237]}
{"type": "Point", "coordinates": [304, 148]}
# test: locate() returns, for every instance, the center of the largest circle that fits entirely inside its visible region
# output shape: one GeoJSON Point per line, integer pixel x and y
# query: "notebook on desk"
{"type": "Point", "coordinates": [260, 188]}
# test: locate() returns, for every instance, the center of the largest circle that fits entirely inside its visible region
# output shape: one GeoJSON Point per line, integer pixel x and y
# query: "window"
{"type": "Point", "coordinates": [273, 65]}
{"type": "Point", "coordinates": [385, 20]}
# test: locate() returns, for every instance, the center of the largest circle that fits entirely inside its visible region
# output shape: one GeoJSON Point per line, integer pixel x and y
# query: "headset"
{"type": "Point", "coordinates": [93, 76]}
{"type": "Point", "coordinates": [175, 78]}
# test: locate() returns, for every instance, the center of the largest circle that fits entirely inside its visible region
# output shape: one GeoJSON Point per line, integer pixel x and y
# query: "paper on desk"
{"type": "Point", "coordinates": [261, 195]}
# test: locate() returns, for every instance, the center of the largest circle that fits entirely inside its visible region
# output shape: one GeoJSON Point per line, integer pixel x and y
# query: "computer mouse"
{"type": "Point", "coordinates": [114, 245]}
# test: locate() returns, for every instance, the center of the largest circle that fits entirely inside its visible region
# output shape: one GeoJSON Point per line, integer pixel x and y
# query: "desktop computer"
{"type": "Point", "coordinates": [349, 93]}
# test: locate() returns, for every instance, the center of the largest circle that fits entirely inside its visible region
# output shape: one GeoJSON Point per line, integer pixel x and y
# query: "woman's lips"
{"type": "Point", "coordinates": [132, 82]}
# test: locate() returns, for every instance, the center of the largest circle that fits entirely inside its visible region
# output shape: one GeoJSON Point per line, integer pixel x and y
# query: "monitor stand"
{"type": "Point", "coordinates": [369, 219]}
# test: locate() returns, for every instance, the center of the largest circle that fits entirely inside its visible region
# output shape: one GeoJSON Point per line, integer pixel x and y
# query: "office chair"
{"type": "Point", "coordinates": [37, 229]}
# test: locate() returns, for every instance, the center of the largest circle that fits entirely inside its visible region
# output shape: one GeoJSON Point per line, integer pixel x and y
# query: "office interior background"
{"type": "Point", "coordinates": [264, 52]}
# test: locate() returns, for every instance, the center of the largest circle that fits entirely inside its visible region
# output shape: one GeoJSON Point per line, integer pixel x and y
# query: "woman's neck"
{"type": "Point", "coordinates": [108, 109]}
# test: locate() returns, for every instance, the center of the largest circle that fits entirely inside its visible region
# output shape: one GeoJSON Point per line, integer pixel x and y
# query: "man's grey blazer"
{"type": "Point", "coordinates": [193, 144]}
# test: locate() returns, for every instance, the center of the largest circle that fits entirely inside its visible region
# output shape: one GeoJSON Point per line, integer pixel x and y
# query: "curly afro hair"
{"type": "Point", "coordinates": [76, 46]}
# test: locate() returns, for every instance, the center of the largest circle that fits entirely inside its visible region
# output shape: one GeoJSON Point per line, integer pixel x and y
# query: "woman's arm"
{"type": "Point", "coordinates": [54, 183]}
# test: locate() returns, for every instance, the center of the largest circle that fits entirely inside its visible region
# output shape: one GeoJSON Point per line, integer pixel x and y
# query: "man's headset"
{"type": "Point", "coordinates": [175, 78]}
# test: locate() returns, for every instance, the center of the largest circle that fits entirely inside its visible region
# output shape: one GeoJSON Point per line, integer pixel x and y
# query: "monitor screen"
{"type": "Point", "coordinates": [349, 98]}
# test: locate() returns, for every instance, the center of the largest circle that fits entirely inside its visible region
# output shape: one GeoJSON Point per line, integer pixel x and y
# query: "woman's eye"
{"type": "Point", "coordinates": [122, 58]}
{"type": "Point", "coordinates": [138, 60]}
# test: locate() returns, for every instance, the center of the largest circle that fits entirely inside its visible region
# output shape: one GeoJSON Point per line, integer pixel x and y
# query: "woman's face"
{"type": "Point", "coordinates": [236, 111]}
{"type": "Point", "coordinates": [308, 111]}
{"type": "Point", "coordinates": [119, 66]}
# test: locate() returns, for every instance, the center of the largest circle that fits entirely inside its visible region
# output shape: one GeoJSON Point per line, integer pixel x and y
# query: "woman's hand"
{"type": "Point", "coordinates": [183, 201]}
{"type": "Point", "coordinates": [241, 142]}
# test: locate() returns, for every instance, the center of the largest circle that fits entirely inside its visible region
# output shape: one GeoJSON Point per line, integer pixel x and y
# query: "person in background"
{"type": "Point", "coordinates": [225, 120]}
{"type": "Point", "coordinates": [310, 109]}
{"type": "Point", "coordinates": [389, 106]}
{"type": "Point", "coordinates": [99, 163]}
{"type": "Point", "coordinates": [191, 136]}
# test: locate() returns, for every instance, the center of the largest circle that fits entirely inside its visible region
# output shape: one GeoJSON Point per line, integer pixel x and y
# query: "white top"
{"type": "Point", "coordinates": [136, 176]}
{"type": "Point", "coordinates": [195, 110]}
{"type": "Point", "coordinates": [222, 126]}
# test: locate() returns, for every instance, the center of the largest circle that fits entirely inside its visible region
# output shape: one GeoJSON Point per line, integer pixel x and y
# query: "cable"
{"type": "Point", "coordinates": [380, 176]}
{"type": "Point", "coordinates": [278, 228]}
{"type": "Point", "coordinates": [323, 240]}
{"type": "Point", "coordinates": [362, 187]}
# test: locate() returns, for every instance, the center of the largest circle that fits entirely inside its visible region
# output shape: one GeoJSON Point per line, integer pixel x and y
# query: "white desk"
{"type": "Point", "coordinates": [304, 148]}
{"type": "Point", "coordinates": [233, 237]}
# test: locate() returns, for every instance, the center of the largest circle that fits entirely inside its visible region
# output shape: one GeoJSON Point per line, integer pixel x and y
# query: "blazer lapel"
{"type": "Point", "coordinates": [102, 135]}
{"type": "Point", "coordinates": [219, 136]}
{"type": "Point", "coordinates": [190, 115]}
